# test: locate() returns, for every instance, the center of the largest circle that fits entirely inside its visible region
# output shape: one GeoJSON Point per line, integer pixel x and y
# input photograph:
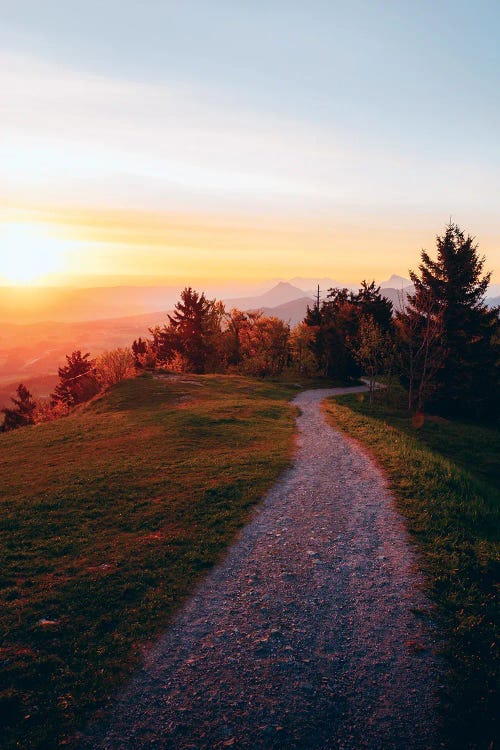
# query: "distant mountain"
{"type": "Point", "coordinates": [289, 302]}
{"type": "Point", "coordinates": [280, 294]}
{"type": "Point", "coordinates": [291, 312]}
{"type": "Point", "coordinates": [397, 296]}
{"type": "Point", "coordinates": [325, 283]}
{"type": "Point", "coordinates": [493, 301]}
{"type": "Point", "coordinates": [395, 282]}
{"type": "Point", "coordinates": [35, 304]}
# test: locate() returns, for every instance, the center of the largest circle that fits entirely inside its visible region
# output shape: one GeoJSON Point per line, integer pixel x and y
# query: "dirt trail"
{"type": "Point", "coordinates": [305, 636]}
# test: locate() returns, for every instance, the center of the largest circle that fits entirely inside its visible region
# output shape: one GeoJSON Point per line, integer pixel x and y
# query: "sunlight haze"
{"type": "Point", "coordinates": [226, 141]}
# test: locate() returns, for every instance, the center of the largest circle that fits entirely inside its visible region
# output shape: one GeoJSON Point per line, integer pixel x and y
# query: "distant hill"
{"type": "Point", "coordinates": [35, 304]}
{"type": "Point", "coordinates": [29, 305]}
{"type": "Point", "coordinates": [92, 320]}
{"type": "Point", "coordinates": [280, 294]}
{"type": "Point", "coordinates": [294, 306]}
{"type": "Point", "coordinates": [31, 353]}
{"type": "Point", "coordinates": [40, 386]}
{"type": "Point", "coordinates": [396, 296]}
{"type": "Point", "coordinates": [325, 283]}
{"type": "Point", "coordinates": [291, 312]}
{"type": "Point", "coordinates": [395, 282]}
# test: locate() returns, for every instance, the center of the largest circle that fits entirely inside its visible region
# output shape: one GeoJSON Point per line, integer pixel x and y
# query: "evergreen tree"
{"type": "Point", "coordinates": [139, 350]}
{"type": "Point", "coordinates": [193, 333]}
{"type": "Point", "coordinates": [467, 380]}
{"type": "Point", "coordinates": [336, 324]}
{"type": "Point", "coordinates": [373, 304]}
{"type": "Point", "coordinates": [23, 412]}
{"type": "Point", "coordinates": [77, 380]}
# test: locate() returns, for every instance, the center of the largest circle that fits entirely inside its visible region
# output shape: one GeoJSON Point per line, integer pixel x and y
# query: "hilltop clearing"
{"type": "Point", "coordinates": [306, 635]}
{"type": "Point", "coordinates": [108, 518]}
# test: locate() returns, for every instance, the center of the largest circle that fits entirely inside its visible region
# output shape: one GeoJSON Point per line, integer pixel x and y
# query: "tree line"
{"type": "Point", "coordinates": [441, 344]}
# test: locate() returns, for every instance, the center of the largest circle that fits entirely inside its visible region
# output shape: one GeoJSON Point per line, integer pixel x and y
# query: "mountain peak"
{"type": "Point", "coordinates": [283, 285]}
{"type": "Point", "coordinates": [395, 282]}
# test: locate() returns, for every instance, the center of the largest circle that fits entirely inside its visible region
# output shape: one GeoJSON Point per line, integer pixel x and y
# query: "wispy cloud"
{"type": "Point", "coordinates": [76, 137]}
{"type": "Point", "coordinates": [175, 178]}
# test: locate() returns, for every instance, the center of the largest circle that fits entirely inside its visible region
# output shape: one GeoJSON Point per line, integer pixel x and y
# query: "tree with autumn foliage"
{"type": "Point", "coordinates": [263, 344]}
{"type": "Point", "coordinates": [371, 350]}
{"type": "Point", "coordinates": [420, 348]}
{"type": "Point", "coordinates": [114, 366]}
{"type": "Point", "coordinates": [336, 325]}
{"type": "Point", "coordinates": [304, 361]}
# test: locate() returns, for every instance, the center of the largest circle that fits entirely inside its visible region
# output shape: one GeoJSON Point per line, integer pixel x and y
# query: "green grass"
{"type": "Point", "coordinates": [107, 519]}
{"type": "Point", "coordinates": [446, 480]}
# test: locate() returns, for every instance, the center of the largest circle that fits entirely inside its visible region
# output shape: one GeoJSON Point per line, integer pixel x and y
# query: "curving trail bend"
{"type": "Point", "coordinates": [312, 632]}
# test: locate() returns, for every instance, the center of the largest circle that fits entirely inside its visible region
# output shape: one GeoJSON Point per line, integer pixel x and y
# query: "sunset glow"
{"type": "Point", "coordinates": [204, 146]}
{"type": "Point", "coordinates": [28, 252]}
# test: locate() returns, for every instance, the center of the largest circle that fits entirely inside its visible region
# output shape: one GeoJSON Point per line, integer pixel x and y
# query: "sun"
{"type": "Point", "coordinates": [27, 252]}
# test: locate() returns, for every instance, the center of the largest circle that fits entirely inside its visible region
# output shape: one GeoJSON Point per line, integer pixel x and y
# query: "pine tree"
{"type": "Point", "coordinates": [335, 324]}
{"type": "Point", "coordinates": [467, 380]}
{"type": "Point", "coordinates": [23, 413]}
{"type": "Point", "coordinates": [192, 332]}
{"type": "Point", "coordinates": [77, 380]}
{"type": "Point", "coordinates": [139, 350]}
{"type": "Point", "coordinates": [373, 304]}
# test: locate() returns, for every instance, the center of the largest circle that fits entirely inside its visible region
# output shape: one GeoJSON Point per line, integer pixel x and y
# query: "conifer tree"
{"type": "Point", "coordinates": [192, 333]}
{"type": "Point", "coordinates": [139, 350]}
{"type": "Point", "coordinates": [335, 324]}
{"type": "Point", "coordinates": [466, 382]}
{"type": "Point", "coordinates": [23, 412]}
{"type": "Point", "coordinates": [77, 380]}
{"type": "Point", "coordinates": [371, 303]}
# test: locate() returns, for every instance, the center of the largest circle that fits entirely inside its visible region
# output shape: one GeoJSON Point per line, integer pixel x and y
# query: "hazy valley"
{"type": "Point", "coordinates": [52, 322]}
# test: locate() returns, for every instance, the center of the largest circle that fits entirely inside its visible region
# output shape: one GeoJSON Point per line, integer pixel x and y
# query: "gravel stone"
{"type": "Point", "coordinates": [306, 634]}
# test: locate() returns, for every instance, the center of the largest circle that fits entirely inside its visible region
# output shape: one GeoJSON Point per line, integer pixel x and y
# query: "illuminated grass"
{"type": "Point", "coordinates": [446, 480]}
{"type": "Point", "coordinates": [107, 519]}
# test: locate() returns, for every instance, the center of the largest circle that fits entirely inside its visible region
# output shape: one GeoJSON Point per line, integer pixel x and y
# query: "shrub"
{"type": "Point", "coordinates": [114, 366]}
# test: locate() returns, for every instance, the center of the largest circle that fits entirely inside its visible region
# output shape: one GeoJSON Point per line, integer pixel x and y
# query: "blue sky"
{"type": "Point", "coordinates": [372, 114]}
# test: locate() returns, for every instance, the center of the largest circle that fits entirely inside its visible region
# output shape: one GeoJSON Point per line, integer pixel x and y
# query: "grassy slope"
{"type": "Point", "coordinates": [107, 517]}
{"type": "Point", "coordinates": [445, 477]}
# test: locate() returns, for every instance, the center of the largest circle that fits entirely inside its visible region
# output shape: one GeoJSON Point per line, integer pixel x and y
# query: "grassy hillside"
{"type": "Point", "coordinates": [107, 518]}
{"type": "Point", "coordinates": [446, 479]}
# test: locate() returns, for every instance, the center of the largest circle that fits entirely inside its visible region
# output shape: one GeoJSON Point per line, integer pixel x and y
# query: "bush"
{"type": "Point", "coordinates": [114, 366]}
{"type": "Point", "coordinates": [47, 412]}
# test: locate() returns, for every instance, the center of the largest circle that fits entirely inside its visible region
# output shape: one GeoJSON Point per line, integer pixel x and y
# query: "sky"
{"type": "Point", "coordinates": [244, 140]}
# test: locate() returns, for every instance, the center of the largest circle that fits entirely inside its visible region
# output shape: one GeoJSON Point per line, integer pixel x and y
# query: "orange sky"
{"type": "Point", "coordinates": [239, 143]}
{"type": "Point", "coordinates": [186, 248]}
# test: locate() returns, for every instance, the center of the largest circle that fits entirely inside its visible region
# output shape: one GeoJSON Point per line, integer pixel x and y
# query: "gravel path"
{"type": "Point", "coordinates": [305, 636]}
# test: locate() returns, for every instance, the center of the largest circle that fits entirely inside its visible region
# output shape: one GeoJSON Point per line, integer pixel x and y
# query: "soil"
{"type": "Point", "coordinates": [313, 632]}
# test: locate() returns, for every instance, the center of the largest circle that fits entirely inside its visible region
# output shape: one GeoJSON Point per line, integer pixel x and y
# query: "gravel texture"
{"type": "Point", "coordinates": [313, 632]}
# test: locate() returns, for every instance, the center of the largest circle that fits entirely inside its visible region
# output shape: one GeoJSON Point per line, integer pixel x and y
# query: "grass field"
{"type": "Point", "coordinates": [446, 480]}
{"type": "Point", "coordinates": [107, 518]}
